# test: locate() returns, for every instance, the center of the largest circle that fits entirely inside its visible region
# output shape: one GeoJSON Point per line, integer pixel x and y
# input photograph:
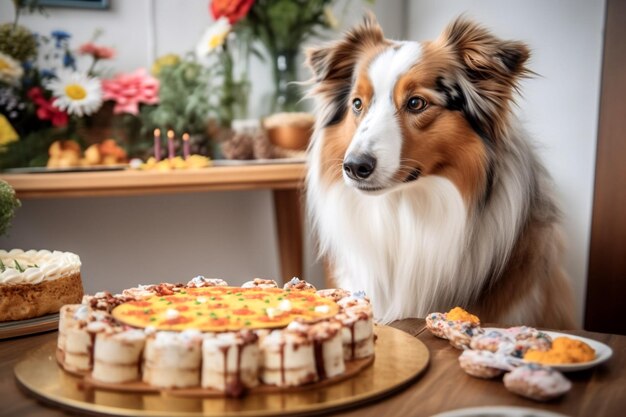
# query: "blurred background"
{"type": "Point", "coordinates": [125, 241]}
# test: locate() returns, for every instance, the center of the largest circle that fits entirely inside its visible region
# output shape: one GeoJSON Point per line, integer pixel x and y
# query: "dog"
{"type": "Point", "coordinates": [423, 189]}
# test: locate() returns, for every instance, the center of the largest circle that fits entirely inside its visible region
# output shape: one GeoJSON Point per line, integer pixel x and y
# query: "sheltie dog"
{"type": "Point", "coordinates": [423, 189]}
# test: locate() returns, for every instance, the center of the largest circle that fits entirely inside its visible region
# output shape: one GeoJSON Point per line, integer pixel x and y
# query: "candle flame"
{"type": "Point", "coordinates": [157, 132]}
{"type": "Point", "coordinates": [170, 134]}
{"type": "Point", "coordinates": [185, 136]}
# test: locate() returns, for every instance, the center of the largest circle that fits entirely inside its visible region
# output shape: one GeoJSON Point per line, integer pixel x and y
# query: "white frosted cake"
{"type": "Point", "coordinates": [35, 283]}
{"type": "Point", "coordinates": [209, 335]}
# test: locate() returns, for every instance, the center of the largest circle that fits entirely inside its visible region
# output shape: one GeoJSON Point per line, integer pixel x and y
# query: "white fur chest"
{"type": "Point", "coordinates": [403, 248]}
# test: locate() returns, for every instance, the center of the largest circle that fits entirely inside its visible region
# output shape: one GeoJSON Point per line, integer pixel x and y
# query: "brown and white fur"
{"type": "Point", "coordinates": [423, 189]}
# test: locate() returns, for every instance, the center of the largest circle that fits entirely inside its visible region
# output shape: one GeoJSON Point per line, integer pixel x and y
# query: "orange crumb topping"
{"type": "Point", "coordinates": [564, 350]}
{"type": "Point", "coordinates": [458, 314]}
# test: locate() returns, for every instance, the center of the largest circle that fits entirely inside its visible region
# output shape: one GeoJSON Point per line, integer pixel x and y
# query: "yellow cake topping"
{"type": "Point", "coordinates": [564, 350]}
{"type": "Point", "coordinates": [225, 308]}
{"type": "Point", "coordinates": [458, 314]}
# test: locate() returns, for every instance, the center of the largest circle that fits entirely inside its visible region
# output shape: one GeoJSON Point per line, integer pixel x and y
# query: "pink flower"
{"type": "Point", "coordinates": [129, 90]}
{"type": "Point", "coordinates": [96, 51]}
{"type": "Point", "coordinates": [45, 108]}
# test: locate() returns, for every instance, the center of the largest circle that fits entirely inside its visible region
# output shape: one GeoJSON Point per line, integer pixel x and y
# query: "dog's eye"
{"type": "Point", "coordinates": [357, 105]}
{"type": "Point", "coordinates": [416, 104]}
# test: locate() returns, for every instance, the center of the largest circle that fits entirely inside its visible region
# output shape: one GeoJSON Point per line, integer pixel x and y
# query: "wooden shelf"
{"type": "Point", "coordinates": [127, 182]}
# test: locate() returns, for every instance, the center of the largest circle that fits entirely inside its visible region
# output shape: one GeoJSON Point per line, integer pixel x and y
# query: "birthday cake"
{"type": "Point", "coordinates": [213, 336]}
{"type": "Point", "coordinates": [36, 283]}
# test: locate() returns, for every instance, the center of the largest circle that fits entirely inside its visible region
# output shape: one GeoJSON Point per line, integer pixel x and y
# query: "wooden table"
{"type": "Point", "coordinates": [285, 181]}
{"type": "Point", "coordinates": [597, 392]}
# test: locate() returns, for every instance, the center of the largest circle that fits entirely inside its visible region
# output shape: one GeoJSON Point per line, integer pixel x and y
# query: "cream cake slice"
{"type": "Point", "coordinates": [117, 355]}
{"type": "Point", "coordinates": [328, 347]}
{"type": "Point", "coordinates": [358, 327]}
{"type": "Point", "coordinates": [230, 361]}
{"type": "Point", "coordinates": [36, 283]}
{"type": "Point", "coordinates": [173, 359]}
{"type": "Point", "coordinates": [288, 358]}
{"type": "Point", "coordinates": [79, 344]}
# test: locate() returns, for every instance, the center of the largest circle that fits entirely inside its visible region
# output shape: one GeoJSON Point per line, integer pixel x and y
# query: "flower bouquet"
{"type": "Point", "coordinates": [44, 97]}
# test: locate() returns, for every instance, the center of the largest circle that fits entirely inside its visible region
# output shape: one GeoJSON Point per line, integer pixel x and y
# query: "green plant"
{"type": "Point", "coordinates": [8, 204]}
{"type": "Point", "coordinates": [17, 41]}
{"type": "Point", "coordinates": [186, 99]}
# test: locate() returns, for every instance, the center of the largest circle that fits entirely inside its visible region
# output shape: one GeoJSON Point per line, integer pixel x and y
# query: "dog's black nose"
{"type": "Point", "coordinates": [359, 167]}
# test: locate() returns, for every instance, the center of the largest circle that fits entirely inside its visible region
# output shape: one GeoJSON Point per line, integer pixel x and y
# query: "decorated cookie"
{"type": "Point", "coordinates": [526, 338]}
{"type": "Point", "coordinates": [493, 340]}
{"type": "Point", "coordinates": [537, 382]}
{"type": "Point", "coordinates": [437, 323]}
{"type": "Point", "coordinates": [460, 333]}
{"type": "Point", "coordinates": [484, 364]}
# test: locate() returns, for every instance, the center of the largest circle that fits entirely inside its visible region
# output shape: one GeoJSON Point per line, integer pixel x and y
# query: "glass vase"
{"type": "Point", "coordinates": [236, 84]}
{"type": "Point", "coordinates": [286, 97]}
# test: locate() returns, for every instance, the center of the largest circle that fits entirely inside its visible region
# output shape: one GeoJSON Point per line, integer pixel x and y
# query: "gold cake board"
{"type": "Point", "coordinates": [400, 359]}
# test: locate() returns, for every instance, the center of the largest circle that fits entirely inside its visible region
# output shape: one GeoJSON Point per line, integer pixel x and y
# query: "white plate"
{"type": "Point", "coordinates": [603, 352]}
{"type": "Point", "coordinates": [498, 412]}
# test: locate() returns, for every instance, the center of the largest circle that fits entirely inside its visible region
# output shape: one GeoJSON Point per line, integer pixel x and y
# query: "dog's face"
{"type": "Point", "coordinates": [393, 112]}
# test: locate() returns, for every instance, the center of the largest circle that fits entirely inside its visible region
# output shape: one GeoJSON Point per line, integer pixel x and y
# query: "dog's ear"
{"type": "Point", "coordinates": [333, 66]}
{"type": "Point", "coordinates": [491, 70]}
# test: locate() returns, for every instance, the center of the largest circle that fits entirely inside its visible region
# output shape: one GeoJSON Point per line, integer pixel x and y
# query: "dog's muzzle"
{"type": "Point", "coordinates": [359, 167]}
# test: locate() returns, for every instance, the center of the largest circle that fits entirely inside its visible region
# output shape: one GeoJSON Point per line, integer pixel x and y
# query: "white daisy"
{"type": "Point", "coordinates": [213, 37]}
{"type": "Point", "coordinates": [76, 93]}
{"type": "Point", "coordinates": [10, 70]}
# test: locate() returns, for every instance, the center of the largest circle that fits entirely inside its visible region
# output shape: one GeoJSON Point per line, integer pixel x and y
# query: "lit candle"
{"type": "Point", "coordinates": [157, 145]}
{"type": "Point", "coordinates": [186, 145]}
{"type": "Point", "coordinates": [170, 143]}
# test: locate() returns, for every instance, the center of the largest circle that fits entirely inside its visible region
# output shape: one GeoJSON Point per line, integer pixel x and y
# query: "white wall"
{"type": "Point", "coordinates": [560, 106]}
{"type": "Point", "coordinates": [232, 234]}
{"type": "Point", "coordinates": [129, 240]}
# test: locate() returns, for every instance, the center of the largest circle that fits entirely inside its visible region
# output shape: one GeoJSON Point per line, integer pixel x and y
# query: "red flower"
{"type": "Point", "coordinates": [96, 51]}
{"type": "Point", "coordinates": [233, 10]}
{"type": "Point", "coordinates": [45, 108]}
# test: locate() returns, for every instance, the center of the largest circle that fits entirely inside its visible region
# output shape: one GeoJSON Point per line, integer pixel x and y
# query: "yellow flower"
{"type": "Point", "coordinates": [10, 70]}
{"type": "Point", "coordinates": [168, 60]}
{"type": "Point", "coordinates": [7, 133]}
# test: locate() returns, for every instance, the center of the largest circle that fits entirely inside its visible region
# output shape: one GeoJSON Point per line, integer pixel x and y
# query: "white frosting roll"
{"type": "Point", "coordinates": [173, 359]}
{"type": "Point", "coordinates": [66, 320]}
{"type": "Point", "coordinates": [117, 356]}
{"type": "Point", "coordinates": [230, 362]}
{"type": "Point", "coordinates": [79, 345]}
{"type": "Point", "coordinates": [288, 359]}
{"type": "Point", "coordinates": [33, 266]}
{"type": "Point", "coordinates": [357, 332]}
{"type": "Point", "coordinates": [328, 348]}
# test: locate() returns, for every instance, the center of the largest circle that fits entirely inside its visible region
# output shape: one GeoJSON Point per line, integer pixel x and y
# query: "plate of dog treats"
{"type": "Point", "coordinates": [570, 353]}
{"type": "Point", "coordinates": [531, 360]}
